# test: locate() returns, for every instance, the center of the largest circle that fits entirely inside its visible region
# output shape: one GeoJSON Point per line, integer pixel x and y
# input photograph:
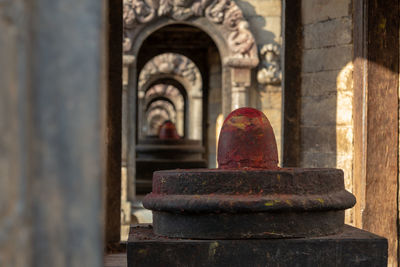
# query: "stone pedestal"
{"type": "Point", "coordinates": [250, 212]}
{"type": "Point", "coordinates": [352, 247]}
{"type": "Point", "coordinates": [155, 154]}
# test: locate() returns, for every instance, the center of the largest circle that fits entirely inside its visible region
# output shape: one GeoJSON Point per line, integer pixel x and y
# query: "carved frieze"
{"type": "Point", "coordinates": [269, 72]}
{"type": "Point", "coordinates": [171, 63]}
{"type": "Point", "coordinates": [222, 12]}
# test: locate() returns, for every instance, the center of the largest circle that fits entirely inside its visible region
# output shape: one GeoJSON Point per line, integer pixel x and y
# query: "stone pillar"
{"type": "Point", "coordinates": [241, 80]}
{"type": "Point", "coordinates": [226, 96]}
{"type": "Point", "coordinates": [52, 123]}
{"type": "Point", "coordinates": [239, 97]}
{"type": "Point", "coordinates": [180, 120]}
{"type": "Point", "coordinates": [15, 224]}
{"type": "Point", "coordinates": [131, 130]}
{"type": "Point", "coordinates": [142, 123]}
{"type": "Point", "coordinates": [195, 117]}
{"type": "Point", "coordinates": [128, 60]}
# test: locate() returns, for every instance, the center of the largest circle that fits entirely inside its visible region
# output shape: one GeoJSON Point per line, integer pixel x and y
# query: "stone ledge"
{"type": "Point", "coordinates": [353, 247]}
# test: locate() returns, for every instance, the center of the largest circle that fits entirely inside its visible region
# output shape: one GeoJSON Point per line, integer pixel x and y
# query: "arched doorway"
{"type": "Point", "coordinates": [180, 72]}
{"type": "Point", "coordinates": [214, 37]}
{"type": "Point", "coordinates": [161, 96]}
{"type": "Point", "coordinates": [197, 68]}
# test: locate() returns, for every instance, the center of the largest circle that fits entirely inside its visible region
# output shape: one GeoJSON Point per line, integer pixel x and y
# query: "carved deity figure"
{"type": "Point", "coordinates": [241, 41]}
{"type": "Point", "coordinates": [225, 12]}
{"type": "Point", "coordinates": [216, 10]}
{"type": "Point", "coordinates": [269, 71]}
{"type": "Point", "coordinates": [181, 9]}
{"type": "Point", "coordinates": [233, 15]}
{"type": "Point", "coordinates": [140, 11]}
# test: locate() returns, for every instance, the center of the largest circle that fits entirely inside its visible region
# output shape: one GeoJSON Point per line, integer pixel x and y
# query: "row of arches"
{"type": "Point", "coordinates": [188, 62]}
{"type": "Point", "coordinates": [170, 81]}
{"type": "Point", "coordinates": [177, 75]}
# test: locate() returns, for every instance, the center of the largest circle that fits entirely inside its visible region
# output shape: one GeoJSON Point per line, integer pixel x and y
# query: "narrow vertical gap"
{"type": "Point", "coordinates": [398, 140]}
{"type": "Point", "coordinates": [292, 83]}
{"type": "Point", "coordinates": [113, 125]}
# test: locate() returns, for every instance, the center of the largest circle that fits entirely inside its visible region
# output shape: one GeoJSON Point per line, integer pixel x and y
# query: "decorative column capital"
{"type": "Point", "coordinates": [128, 60]}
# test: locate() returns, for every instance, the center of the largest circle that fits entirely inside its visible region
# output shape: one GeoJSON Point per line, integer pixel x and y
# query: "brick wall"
{"type": "Point", "coordinates": [326, 89]}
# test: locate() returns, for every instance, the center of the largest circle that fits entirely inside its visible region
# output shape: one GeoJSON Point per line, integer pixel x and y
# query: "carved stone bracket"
{"type": "Point", "coordinates": [269, 71]}
{"type": "Point", "coordinates": [224, 13]}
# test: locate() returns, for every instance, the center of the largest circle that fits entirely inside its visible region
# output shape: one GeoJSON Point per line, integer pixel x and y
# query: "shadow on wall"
{"type": "Point", "coordinates": [257, 23]}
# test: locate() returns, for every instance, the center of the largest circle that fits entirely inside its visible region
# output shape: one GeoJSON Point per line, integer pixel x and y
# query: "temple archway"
{"type": "Point", "coordinates": [214, 35]}
{"type": "Point", "coordinates": [178, 72]}
{"type": "Point", "coordinates": [162, 96]}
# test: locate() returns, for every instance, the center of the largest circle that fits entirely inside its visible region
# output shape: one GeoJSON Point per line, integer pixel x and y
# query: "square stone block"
{"type": "Point", "coordinates": [352, 247]}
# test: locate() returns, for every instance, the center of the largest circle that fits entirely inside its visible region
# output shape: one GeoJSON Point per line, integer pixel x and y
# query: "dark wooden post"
{"type": "Point", "coordinates": [114, 121]}
{"type": "Point", "coordinates": [292, 83]}
{"type": "Point", "coordinates": [376, 83]}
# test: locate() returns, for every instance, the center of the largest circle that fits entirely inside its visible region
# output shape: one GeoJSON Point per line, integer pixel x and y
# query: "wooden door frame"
{"type": "Point", "coordinates": [113, 126]}
{"type": "Point", "coordinates": [292, 57]}
{"type": "Point", "coordinates": [375, 109]}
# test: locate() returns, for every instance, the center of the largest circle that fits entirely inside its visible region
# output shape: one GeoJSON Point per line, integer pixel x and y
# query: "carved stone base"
{"type": "Point", "coordinates": [353, 247]}
{"type": "Point", "coordinates": [257, 225]}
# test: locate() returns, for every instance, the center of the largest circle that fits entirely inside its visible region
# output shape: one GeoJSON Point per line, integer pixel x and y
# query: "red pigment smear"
{"type": "Point", "coordinates": [248, 112]}
{"type": "Point", "coordinates": [247, 141]}
{"type": "Point", "coordinates": [168, 131]}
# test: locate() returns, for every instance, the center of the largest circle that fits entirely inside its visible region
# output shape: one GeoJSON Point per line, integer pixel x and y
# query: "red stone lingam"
{"type": "Point", "coordinates": [168, 131]}
{"type": "Point", "coordinates": [247, 141]}
{"type": "Point", "coordinates": [248, 196]}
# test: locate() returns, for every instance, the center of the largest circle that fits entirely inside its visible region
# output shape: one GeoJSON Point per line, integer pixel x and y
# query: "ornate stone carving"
{"type": "Point", "coordinates": [223, 12]}
{"type": "Point", "coordinates": [240, 41]}
{"type": "Point", "coordinates": [170, 63]}
{"type": "Point", "coordinates": [137, 11]}
{"type": "Point", "coordinates": [181, 9]}
{"type": "Point", "coordinates": [216, 10]}
{"type": "Point", "coordinates": [269, 71]}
